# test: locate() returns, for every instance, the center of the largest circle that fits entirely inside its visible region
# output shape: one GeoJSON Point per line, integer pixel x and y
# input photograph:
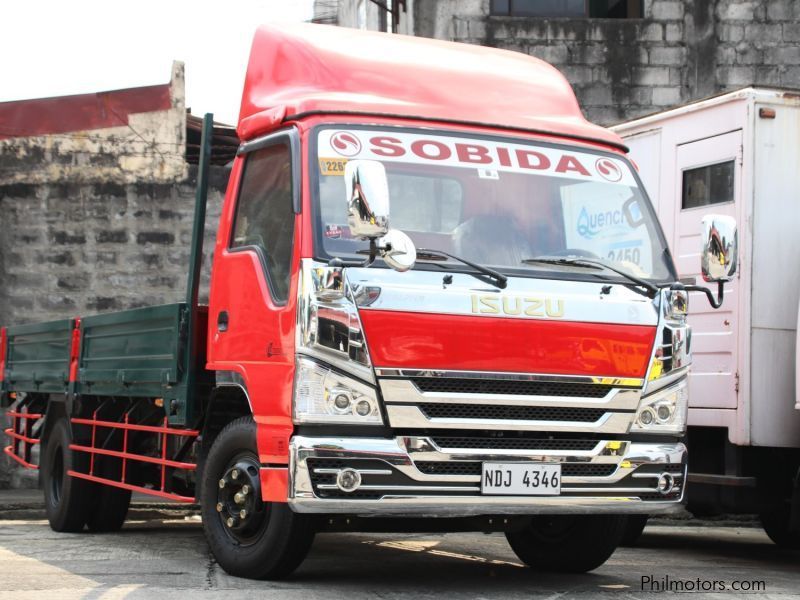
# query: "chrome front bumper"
{"type": "Point", "coordinates": [418, 475]}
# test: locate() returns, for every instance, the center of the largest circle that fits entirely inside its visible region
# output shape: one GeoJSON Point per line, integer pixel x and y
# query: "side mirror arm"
{"type": "Point", "coordinates": [373, 253]}
{"type": "Point", "coordinates": [715, 303]}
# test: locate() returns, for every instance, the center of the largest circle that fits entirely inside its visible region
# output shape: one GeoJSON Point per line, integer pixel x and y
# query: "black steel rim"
{"type": "Point", "coordinates": [242, 514]}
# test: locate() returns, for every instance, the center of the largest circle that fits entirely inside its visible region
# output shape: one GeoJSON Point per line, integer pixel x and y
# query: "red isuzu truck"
{"type": "Point", "coordinates": [510, 355]}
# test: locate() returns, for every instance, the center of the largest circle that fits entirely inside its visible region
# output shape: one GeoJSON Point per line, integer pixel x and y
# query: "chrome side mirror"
{"type": "Point", "coordinates": [720, 248]}
{"type": "Point", "coordinates": [367, 198]}
{"type": "Point", "coordinates": [368, 214]}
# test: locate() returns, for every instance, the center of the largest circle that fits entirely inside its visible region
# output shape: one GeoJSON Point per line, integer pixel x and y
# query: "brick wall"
{"type": "Point", "coordinates": [682, 50]}
{"type": "Point", "coordinates": [73, 249]}
{"type": "Point", "coordinates": [69, 249]}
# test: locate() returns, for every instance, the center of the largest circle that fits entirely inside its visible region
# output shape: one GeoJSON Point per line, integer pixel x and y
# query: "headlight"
{"type": "Point", "coordinates": [663, 411]}
{"type": "Point", "coordinates": [322, 395]}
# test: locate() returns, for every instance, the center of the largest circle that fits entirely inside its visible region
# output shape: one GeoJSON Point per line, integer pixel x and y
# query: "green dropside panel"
{"type": "Point", "coordinates": [135, 353]}
{"type": "Point", "coordinates": [38, 357]}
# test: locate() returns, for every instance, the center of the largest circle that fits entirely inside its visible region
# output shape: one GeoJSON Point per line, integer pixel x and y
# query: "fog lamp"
{"type": "Point", "coordinates": [348, 480]}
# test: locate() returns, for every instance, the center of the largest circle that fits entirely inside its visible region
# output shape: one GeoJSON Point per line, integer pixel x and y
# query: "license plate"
{"type": "Point", "coordinates": [521, 479]}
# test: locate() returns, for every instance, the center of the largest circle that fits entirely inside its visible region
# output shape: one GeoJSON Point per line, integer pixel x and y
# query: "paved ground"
{"type": "Point", "coordinates": [163, 554]}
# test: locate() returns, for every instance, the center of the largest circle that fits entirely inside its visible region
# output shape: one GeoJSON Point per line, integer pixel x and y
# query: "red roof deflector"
{"type": "Point", "coordinates": [300, 69]}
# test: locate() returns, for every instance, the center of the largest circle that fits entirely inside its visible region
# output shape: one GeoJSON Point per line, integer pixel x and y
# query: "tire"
{"type": "Point", "coordinates": [567, 544]}
{"type": "Point", "coordinates": [776, 523]}
{"type": "Point", "coordinates": [110, 510]}
{"type": "Point", "coordinates": [67, 500]}
{"type": "Point", "coordinates": [633, 529]}
{"type": "Point", "coordinates": [272, 541]}
{"type": "Point", "coordinates": [111, 504]}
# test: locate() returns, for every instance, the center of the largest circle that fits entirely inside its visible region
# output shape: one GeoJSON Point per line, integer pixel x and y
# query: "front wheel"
{"type": "Point", "coordinates": [777, 524]}
{"type": "Point", "coordinates": [633, 529]}
{"type": "Point", "coordinates": [567, 544]}
{"type": "Point", "coordinates": [248, 537]}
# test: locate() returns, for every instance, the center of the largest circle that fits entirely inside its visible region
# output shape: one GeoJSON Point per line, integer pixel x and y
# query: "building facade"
{"type": "Point", "coordinates": [625, 58]}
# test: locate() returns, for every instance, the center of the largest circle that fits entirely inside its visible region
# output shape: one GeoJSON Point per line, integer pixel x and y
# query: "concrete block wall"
{"type": "Point", "coordinates": [622, 68]}
{"type": "Point", "coordinates": [75, 249]}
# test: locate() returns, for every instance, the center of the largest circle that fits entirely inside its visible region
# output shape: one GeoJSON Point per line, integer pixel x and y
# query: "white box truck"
{"type": "Point", "coordinates": [736, 154]}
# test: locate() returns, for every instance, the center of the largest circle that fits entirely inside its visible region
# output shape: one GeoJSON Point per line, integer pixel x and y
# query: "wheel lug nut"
{"type": "Point", "coordinates": [219, 507]}
{"type": "Point", "coordinates": [235, 474]}
{"type": "Point", "coordinates": [238, 498]}
{"type": "Point", "coordinates": [230, 522]}
{"type": "Point", "coordinates": [221, 483]}
{"type": "Point", "coordinates": [243, 514]}
{"type": "Point", "coordinates": [245, 489]}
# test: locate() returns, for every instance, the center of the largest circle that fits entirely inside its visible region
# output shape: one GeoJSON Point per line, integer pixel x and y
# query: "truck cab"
{"type": "Point", "coordinates": [440, 300]}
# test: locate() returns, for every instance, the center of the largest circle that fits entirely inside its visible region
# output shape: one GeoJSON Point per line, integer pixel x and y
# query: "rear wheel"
{"type": "Point", "coordinates": [68, 500]}
{"type": "Point", "coordinates": [567, 544]}
{"type": "Point", "coordinates": [249, 537]}
{"type": "Point", "coordinates": [110, 511]}
{"type": "Point", "coordinates": [111, 504]}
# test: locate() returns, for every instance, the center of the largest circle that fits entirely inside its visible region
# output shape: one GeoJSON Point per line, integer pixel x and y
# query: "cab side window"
{"type": "Point", "coordinates": [264, 218]}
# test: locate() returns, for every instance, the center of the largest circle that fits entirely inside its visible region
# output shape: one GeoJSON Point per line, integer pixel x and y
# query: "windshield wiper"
{"type": "Point", "coordinates": [591, 263]}
{"type": "Point", "coordinates": [498, 279]}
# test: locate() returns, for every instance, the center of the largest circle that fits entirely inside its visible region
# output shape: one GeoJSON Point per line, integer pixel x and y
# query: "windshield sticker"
{"type": "Point", "coordinates": [332, 166]}
{"type": "Point", "coordinates": [598, 219]}
{"type": "Point", "coordinates": [333, 232]}
{"type": "Point", "coordinates": [487, 155]}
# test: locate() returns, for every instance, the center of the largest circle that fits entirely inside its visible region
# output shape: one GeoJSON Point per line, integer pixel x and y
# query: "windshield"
{"type": "Point", "coordinates": [496, 202]}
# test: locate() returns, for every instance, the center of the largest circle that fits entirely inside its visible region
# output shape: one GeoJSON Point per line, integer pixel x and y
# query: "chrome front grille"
{"type": "Point", "coordinates": [516, 413]}
{"type": "Point", "coordinates": [458, 385]}
{"type": "Point", "coordinates": [510, 402]}
{"type": "Point", "coordinates": [514, 443]}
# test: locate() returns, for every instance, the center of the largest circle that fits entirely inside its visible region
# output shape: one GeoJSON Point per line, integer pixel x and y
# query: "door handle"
{"type": "Point", "coordinates": [222, 321]}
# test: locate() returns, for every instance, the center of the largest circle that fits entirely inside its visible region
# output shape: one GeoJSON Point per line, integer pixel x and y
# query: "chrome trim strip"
{"type": "Point", "coordinates": [410, 488]}
{"type": "Point", "coordinates": [592, 455]}
{"type": "Point", "coordinates": [411, 417]}
{"type": "Point", "coordinates": [599, 490]}
{"type": "Point", "coordinates": [554, 378]}
{"type": "Point", "coordinates": [403, 391]}
{"type": "Point", "coordinates": [667, 380]}
{"type": "Point", "coordinates": [360, 472]}
{"type": "Point", "coordinates": [465, 506]}
{"type": "Point", "coordinates": [676, 476]}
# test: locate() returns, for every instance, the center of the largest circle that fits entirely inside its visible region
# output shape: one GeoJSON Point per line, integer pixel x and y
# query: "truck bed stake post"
{"type": "Point", "coordinates": [124, 449]}
{"type": "Point", "coordinates": [94, 445]}
{"type": "Point", "coordinates": [195, 265]}
{"type": "Point", "coordinates": [164, 455]}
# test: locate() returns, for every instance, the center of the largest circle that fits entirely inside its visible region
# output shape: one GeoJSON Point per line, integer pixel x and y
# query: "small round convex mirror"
{"type": "Point", "coordinates": [397, 250]}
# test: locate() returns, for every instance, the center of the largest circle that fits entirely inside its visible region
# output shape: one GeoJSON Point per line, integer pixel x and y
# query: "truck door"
{"type": "Point", "coordinates": [708, 180]}
{"type": "Point", "coordinates": [251, 316]}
